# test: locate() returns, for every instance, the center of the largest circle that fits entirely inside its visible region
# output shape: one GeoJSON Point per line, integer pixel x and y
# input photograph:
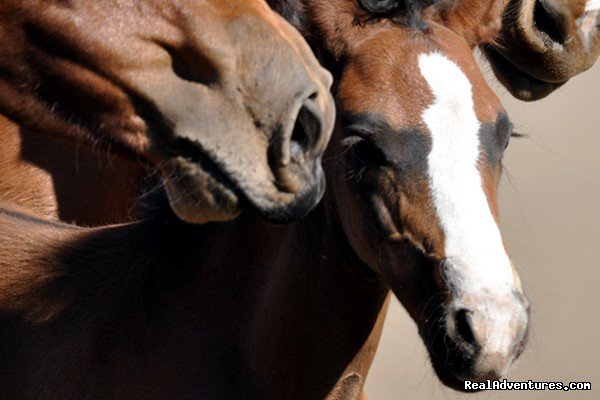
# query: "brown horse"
{"type": "Point", "coordinates": [162, 309]}
{"type": "Point", "coordinates": [334, 27]}
{"type": "Point", "coordinates": [223, 98]}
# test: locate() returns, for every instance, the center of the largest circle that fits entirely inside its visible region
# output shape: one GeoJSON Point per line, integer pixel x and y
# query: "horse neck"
{"type": "Point", "coordinates": [294, 302]}
{"type": "Point", "coordinates": [312, 305]}
{"type": "Point", "coordinates": [308, 303]}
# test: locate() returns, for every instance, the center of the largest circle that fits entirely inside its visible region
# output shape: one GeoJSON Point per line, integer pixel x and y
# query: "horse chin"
{"type": "Point", "coordinates": [293, 205]}
{"type": "Point", "coordinates": [454, 363]}
{"type": "Point", "coordinates": [451, 365]}
{"type": "Point", "coordinates": [519, 83]}
{"type": "Point", "coordinates": [199, 196]}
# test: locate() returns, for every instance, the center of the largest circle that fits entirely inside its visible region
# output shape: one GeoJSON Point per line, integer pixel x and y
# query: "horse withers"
{"type": "Point", "coordinates": [223, 98]}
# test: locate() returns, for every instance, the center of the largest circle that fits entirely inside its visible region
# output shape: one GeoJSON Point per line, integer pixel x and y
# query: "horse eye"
{"type": "Point", "coordinates": [365, 153]}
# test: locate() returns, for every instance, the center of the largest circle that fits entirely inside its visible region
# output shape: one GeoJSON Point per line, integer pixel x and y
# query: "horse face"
{"type": "Point", "coordinates": [544, 43]}
{"type": "Point", "coordinates": [224, 98]}
{"type": "Point", "coordinates": [421, 146]}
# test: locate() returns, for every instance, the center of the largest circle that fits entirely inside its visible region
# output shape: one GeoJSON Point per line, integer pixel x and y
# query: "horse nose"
{"type": "Point", "coordinates": [491, 331]}
{"type": "Point", "coordinates": [296, 151]}
{"type": "Point", "coordinates": [551, 20]}
{"type": "Point", "coordinates": [564, 33]}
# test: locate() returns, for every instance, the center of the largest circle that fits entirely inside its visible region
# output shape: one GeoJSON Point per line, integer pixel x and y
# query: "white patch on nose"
{"type": "Point", "coordinates": [588, 21]}
{"type": "Point", "coordinates": [473, 244]}
{"type": "Point", "coordinates": [592, 5]}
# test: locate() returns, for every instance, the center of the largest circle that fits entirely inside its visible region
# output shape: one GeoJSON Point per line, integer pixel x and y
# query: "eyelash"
{"type": "Point", "coordinates": [364, 152]}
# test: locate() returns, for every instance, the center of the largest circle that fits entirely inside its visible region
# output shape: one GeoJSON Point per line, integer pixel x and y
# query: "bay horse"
{"type": "Point", "coordinates": [223, 98]}
{"type": "Point", "coordinates": [163, 309]}
{"type": "Point", "coordinates": [333, 27]}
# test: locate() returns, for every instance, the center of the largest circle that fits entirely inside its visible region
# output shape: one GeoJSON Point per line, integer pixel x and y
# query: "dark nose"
{"type": "Point", "coordinates": [551, 19]}
{"type": "Point", "coordinates": [296, 150]}
{"type": "Point", "coordinates": [490, 331]}
{"type": "Point", "coordinates": [563, 35]}
{"type": "Point", "coordinates": [463, 329]}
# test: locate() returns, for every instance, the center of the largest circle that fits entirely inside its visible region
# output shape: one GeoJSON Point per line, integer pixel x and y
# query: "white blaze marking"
{"type": "Point", "coordinates": [473, 244]}
{"type": "Point", "coordinates": [592, 5]}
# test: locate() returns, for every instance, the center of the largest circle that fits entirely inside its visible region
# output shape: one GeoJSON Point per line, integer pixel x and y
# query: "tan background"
{"type": "Point", "coordinates": [550, 213]}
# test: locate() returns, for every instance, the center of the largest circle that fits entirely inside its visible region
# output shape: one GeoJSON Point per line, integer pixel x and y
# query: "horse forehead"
{"type": "Point", "coordinates": [459, 84]}
{"type": "Point", "coordinates": [451, 117]}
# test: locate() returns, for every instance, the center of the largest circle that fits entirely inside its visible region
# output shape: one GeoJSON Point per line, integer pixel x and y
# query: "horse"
{"type": "Point", "coordinates": [163, 309]}
{"type": "Point", "coordinates": [57, 164]}
{"type": "Point", "coordinates": [333, 27]}
{"type": "Point", "coordinates": [224, 99]}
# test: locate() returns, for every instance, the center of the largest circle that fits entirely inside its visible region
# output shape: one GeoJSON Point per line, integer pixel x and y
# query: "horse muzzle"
{"type": "Point", "coordinates": [477, 332]}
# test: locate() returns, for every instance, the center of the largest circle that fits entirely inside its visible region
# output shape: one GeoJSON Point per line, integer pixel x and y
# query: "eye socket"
{"type": "Point", "coordinates": [363, 152]}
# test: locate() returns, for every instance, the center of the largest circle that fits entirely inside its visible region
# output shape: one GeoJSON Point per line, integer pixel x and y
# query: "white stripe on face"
{"type": "Point", "coordinates": [592, 5]}
{"type": "Point", "coordinates": [473, 244]}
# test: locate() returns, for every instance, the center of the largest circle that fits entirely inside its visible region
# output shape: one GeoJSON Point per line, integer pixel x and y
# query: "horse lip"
{"type": "Point", "coordinates": [271, 203]}
{"type": "Point", "coordinates": [302, 203]}
{"type": "Point", "coordinates": [521, 84]}
{"type": "Point", "coordinates": [447, 373]}
{"type": "Point", "coordinates": [189, 177]}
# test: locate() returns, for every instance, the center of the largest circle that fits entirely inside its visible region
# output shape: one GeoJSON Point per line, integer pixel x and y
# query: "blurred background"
{"type": "Point", "coordinates": [550, 219]}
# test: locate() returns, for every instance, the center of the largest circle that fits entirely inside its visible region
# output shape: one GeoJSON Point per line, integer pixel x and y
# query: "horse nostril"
{"type": "Point", "coordinates": [303, 130]}
{"type": "Point", "coordinates": [297, 144]}
{"type": "Point", "coordinates": [464, 329]}
{"type": "Point", "coordinates": [549, 21]}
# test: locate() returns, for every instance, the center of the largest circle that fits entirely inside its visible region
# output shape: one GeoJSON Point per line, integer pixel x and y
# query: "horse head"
{"type": "Point", "coordinates": [225, 99]}
{"type": "Point", "coordinates": [419, 153]}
